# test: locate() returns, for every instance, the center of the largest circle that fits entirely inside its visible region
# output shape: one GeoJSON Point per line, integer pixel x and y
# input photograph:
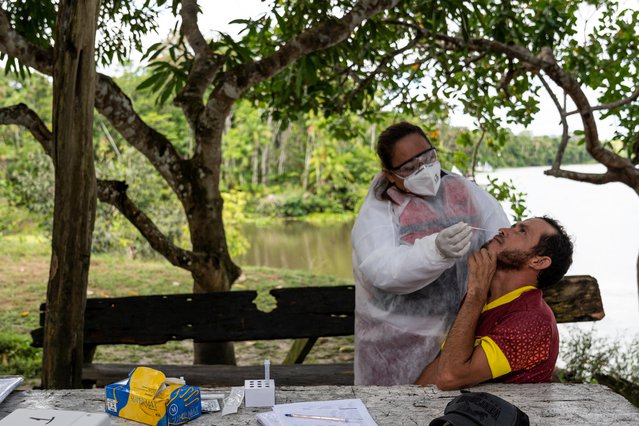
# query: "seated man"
{"type": "Point", "coordinates": [504, 330]}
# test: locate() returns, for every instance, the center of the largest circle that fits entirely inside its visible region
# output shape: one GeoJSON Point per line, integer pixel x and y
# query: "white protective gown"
{"type": "Point", "coordinates": [407, 294]}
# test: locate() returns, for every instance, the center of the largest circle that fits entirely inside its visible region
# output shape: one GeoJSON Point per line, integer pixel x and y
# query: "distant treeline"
{"type": "Point", "coordinates": [525, 150]}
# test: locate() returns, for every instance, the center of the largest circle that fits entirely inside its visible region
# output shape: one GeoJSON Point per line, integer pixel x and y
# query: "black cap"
{"type": "Point", "coordinates": [481, 408]}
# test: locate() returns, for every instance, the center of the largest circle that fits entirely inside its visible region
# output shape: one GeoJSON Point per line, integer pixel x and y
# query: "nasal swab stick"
{"type": "Point", "coordinates": [267, 369]}
{"type": "Point", "coordinates": [479, 229]}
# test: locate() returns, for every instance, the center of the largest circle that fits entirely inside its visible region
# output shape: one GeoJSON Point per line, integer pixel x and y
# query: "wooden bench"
{"type": "Point", "coordinates": [304, 313]}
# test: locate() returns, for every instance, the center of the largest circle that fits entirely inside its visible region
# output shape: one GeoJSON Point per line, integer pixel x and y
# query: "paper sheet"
{"type": "Point", "coordinates": [344, 411]}
{"type": "Point", "coordinates": [267, 418]}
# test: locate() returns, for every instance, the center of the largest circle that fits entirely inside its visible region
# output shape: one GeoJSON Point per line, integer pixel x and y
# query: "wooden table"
{"type": "Point", "coordinates": [545, 404]}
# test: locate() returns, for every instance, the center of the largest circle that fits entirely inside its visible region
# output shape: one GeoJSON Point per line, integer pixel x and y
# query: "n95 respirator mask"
{"type": "Point", "coordinates": [425, 180]}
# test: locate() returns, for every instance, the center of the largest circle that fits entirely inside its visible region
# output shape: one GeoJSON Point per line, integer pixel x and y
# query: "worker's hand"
{"type": "Point", "coordinates": [454, 241]}
{"type": "Point", "coordinates": [481, 269]}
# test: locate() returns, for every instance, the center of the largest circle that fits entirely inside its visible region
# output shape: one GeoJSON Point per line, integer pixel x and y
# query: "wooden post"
{"type": "Point", "coordinates": [575, 298]}
{"type": "Point", "coordinates": [75, 192]}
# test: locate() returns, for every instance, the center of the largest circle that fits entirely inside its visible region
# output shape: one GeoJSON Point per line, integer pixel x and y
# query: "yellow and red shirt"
{"type": "Point", "coordinates": [518, 333]}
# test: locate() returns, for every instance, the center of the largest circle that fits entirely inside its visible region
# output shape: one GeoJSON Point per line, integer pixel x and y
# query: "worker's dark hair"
{"type": "Point", "coordinates": [559, 248]}
{"type": "Point", "coordinates": [389, 137]}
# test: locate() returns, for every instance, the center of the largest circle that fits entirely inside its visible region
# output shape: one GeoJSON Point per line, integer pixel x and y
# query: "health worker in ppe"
{"type": "Point", "coordinates": [411, 241]}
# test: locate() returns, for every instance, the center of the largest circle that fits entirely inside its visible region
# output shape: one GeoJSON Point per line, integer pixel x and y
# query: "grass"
{"type": "Point", "coordinates": [24, 270]}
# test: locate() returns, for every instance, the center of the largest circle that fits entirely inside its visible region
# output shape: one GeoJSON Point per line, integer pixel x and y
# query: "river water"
{"type": "Point", "coordinates": [601, 219]}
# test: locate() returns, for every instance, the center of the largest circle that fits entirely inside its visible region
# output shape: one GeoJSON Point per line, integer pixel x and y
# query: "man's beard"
{"type": "Point", "coordinates": [509, 260]}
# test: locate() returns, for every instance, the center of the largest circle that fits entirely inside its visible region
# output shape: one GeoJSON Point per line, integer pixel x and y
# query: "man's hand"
{"type": "Point", "coordinates": [481, 269]}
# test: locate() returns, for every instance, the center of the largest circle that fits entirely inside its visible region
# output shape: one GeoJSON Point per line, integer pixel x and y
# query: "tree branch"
{"type": "Point", "coordinates": [564, 124]}
{"type": "Point", "coordinates": [382, 64]}
{"type": "Point", "coordinates": [402, 90]}
{"type": "Point", "coordinates": [476, 152]}
{"type": "Point", "coordinates": [323, 35]}
{"type": "Point", "coordinates": [23, 116]}
{"type": "Point", "coordinates": [205, 65]}
{"type": "Point", "coordinates": [613, 105]}
{"type": "Point", "coordinates": [597, 179]}
{"type": "Point", "coordinates": [619, 169]}
{"type": "Point", "coordinates": [114, 193]}
{"type": "Point", "coordinates": [116, 106]}
{"type": "Point", "coordinates": [546, 61]}
{"type": "Point", "coordinates": [14, 45]}
{"type": "Point", "coordinates": [191, 29]}
{"type": "Point", "coordinates": [507, 78]}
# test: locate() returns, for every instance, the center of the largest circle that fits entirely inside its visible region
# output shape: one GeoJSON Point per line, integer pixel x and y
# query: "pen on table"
{"type": "Point", "coordinates": [308, 416]}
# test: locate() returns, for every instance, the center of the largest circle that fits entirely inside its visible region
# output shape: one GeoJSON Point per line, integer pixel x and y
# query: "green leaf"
{"type": "Point", "coordinates": [149, 81]}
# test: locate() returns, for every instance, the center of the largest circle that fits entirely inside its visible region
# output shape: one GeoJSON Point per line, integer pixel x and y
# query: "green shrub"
{"type": "Point", "coordinates": [11, 217]}
{"type": "Point", "coordinates": [17, 356]}
{"type": "Point", "coordinates": [586, 355]}
{"type": "Point", "coordinates": [506, 191]}
{"type": "Point", "coordinates": [28, 183]}
{"type": "Point", "coordinates": [294, 204]}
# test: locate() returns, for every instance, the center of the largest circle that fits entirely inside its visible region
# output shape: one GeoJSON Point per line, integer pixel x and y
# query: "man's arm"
{"type": "Point", "coordinates": [429, 374]}
{"type": "Point", "coordinates": [461, 363]}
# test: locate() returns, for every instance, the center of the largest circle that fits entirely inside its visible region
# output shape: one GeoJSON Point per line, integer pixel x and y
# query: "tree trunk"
{"type": "Point", "coordinates": [217, 272]}
{"type": "Point", "coordinates": [265, 152]}
{"type": "Point", "coordinates": [307, 160]}
{"type": "Point", "coordinates": [255, 160]}
{"type": "Point", "coordinates": [282, 158]}
{"type": "Point", "coordinates": [318, 177]}
{"type": "Point", "coordinates": [75, 193]}
{"type": "Point", "coordinates": [214, 270]}
{"type": "Point", "coordinates": [373, 136]}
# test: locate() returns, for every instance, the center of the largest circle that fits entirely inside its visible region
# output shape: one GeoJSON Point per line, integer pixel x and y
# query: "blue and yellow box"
{"type": "Point", "coordinates": [148, 397]}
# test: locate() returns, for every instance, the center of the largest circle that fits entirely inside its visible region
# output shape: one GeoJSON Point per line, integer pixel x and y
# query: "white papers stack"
{"type": "Point", "coordinates": [8, 384]}
{"type": "Point", "coordinates": [41, 417]}
{"type": "Point", "coordinates": [350, 411]}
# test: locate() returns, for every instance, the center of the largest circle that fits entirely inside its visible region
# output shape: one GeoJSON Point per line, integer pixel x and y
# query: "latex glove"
{"type": "Point", "coordinates": [454, 241]}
